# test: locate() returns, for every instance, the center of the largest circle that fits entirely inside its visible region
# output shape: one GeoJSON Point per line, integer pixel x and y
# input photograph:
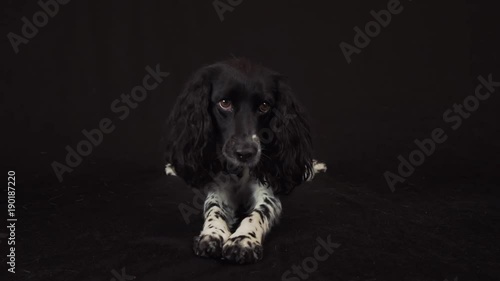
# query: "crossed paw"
{"type": "Point", "coordinates": [208, 245]}
{"type": "Point", "coordinates": [239, 249]}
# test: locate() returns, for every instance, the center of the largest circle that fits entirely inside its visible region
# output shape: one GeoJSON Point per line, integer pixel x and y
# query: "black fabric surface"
{"type": "Point", "coordinates": [85, 229]}
{"type": "Point", "coordinates": [116, 210]}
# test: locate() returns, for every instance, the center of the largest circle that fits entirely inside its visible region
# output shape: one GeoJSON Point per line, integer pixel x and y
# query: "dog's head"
{"type": "Point", "coordinates": [243, 115]}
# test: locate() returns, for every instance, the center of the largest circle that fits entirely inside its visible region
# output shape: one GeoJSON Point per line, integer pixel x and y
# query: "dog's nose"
{"type": "Point", "coordinates": [245, 154]}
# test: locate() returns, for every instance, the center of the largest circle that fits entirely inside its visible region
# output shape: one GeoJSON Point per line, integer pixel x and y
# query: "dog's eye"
{"type": "Point", "coordinates": [226, 105]}
{"type": "Point", "coordinates": [264, 107]}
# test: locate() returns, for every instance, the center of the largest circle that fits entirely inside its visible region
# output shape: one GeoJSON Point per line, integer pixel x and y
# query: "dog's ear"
{"type": "Point", "coordinates": [190, 145]}
{"type": "Point", "coordinates": [292, 139]}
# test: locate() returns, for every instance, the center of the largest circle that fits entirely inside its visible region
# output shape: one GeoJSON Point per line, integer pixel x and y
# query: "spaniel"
{"type": "Point", "coordinates": [237, 131]}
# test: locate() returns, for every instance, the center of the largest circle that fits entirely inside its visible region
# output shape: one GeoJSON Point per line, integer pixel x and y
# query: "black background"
{"type": "Point", "coordinates": [364, 114]}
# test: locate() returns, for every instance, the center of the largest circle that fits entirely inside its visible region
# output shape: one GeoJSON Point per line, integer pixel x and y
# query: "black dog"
{"type": "Point", "coordinates": [237, 131]}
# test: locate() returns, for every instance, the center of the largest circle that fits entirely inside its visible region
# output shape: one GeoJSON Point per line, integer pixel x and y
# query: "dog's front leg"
{"type": "Point", "coordinates": [217, 215]}
{"type": "Point", "coordinates": [245, 244]}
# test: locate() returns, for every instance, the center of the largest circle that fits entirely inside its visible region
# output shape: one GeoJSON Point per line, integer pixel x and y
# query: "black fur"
{"type": "Point", "coordinates": [195, 134]}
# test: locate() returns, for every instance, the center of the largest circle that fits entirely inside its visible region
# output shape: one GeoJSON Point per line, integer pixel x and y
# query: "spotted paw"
{"type": "Point", "coordinates": [242, 249]}
{"type": "Point", "coordinates": [207, 245]}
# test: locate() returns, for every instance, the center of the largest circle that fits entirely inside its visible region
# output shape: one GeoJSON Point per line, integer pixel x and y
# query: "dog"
{"type": "Point", "coordinates": [237, 131]}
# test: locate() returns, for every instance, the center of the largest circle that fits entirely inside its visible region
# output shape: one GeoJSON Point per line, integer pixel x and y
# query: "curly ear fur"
{"type": "Point", "coordinates": [190, 145]}
{"type": "Point", "coordinates": [290, 151]}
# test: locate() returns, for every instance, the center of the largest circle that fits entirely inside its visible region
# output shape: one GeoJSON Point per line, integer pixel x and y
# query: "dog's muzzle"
{"type": "Point", "coordinates": [243, 150]}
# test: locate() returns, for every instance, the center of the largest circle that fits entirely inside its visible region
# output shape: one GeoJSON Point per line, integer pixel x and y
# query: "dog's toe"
{"type": "Point", "coordinates": [207, 246]}
{"type": "Point", "coordinates": [242, 250]}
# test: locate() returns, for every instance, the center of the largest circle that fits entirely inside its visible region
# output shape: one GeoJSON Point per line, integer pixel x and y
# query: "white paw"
{"type": "Point", "coordinates": [208, 245]}
{"type": "Point", "coordinates": [319, 166]}
{"type": "Point", "coordinates": [169, 170]}
{"type": "Point", "coordinates": [242, 249]}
